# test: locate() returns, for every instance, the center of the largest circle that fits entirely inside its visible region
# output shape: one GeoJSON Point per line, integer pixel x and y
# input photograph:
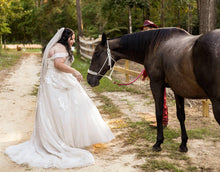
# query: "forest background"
{"type": "Point", "coordinates": [36, 21]}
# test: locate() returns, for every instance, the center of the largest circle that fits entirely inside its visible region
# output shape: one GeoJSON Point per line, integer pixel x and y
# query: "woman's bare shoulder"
{"type": "Point", "coordinates": [57, 48]}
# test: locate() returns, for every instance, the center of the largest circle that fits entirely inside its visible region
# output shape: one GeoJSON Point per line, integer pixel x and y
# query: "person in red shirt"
{"type": "Point", "coordinates": [148, 25]}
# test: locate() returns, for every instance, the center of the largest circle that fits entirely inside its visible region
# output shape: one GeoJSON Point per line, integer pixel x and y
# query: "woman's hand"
{"type": "Point", "coordinates": [59, 63]}
{"type": "Point", "coordinates": [78, 76]}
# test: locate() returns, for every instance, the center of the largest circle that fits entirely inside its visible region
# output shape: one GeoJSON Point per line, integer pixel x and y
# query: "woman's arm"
{"type": "Point", "coordinates": [60, 65]}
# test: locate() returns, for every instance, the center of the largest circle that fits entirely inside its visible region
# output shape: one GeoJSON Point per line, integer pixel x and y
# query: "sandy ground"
{"type": "Point", "coordinates": [17, 111]}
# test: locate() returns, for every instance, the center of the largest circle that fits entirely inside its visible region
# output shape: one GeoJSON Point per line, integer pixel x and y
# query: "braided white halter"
{"type": "Point", "coordinates": [109, 59]}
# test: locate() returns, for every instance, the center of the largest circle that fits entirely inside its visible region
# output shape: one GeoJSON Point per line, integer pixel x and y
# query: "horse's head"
{"type": "Point", "coordinates": [99, 63]}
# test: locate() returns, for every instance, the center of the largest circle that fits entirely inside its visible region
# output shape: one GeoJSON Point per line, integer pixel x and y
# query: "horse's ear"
{"type": "Point", "coordinates": [104, 38]}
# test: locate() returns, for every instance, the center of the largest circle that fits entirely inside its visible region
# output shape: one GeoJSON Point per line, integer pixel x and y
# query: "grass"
{"type": "Point", "coordinates": [35, 90]}
{"type": "Point", "coordinates": [141, 136]}
{"type": "Point", "coordinates": [105, 85]}
{"type": "Point", "coordinates": [142, 132]}
{"type": "Point", "coordinates": [202, 133]}
{"type": "Point", "coordinates": [154, 165]}
{"type": "Point", "coordinates": [109, 108]}
{"type": "Point", "coordinates": [8, 59]}
{"type": "Point", "coordinates": [33, 50]}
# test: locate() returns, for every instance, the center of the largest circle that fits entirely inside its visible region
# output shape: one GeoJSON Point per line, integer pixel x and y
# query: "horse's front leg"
{"type": "Point", "coordinates": [158, 94]}
{"type": "Point", "coordinates": [181, 118]}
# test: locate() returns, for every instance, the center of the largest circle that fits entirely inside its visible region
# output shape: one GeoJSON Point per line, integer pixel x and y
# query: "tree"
{"type": "Point", "coordinates": [162, 14]}
{"type": "Point", "coordinates": [207, 11]}
{"type": "Point", "coordinates": [4, 12]}
{"type": "Point", "coordinates": [79, 18]}
{"type": "Point", "coordinates": [37, 20]}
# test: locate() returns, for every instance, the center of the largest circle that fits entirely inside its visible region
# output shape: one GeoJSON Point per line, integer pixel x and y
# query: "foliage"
{"type": "Point", "coordinates": [218, 19]}
{"type": "Point", "coordinates": [36, 21]}
{"type": "Point", "coordinates": [113, 19]}
{"type": "Point", "coordinates": [4, 12]}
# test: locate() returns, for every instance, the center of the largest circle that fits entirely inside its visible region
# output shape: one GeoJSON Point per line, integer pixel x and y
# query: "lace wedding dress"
{"type": "Point", "coordinates": [66, 121]}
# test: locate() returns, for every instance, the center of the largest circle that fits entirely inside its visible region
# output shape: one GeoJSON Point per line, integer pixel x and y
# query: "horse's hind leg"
{"type": "Point", "coordinates": [216, 109]}
{"type": "Point", "coordinates": [181, 118]}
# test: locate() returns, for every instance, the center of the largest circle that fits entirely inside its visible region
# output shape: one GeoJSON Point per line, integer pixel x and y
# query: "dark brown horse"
{"type": "Point", "coordinates": [189, 65]}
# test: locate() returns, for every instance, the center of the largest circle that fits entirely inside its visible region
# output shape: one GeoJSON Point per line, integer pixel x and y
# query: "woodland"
{"type": "Point", "coordinates": [35, 21]}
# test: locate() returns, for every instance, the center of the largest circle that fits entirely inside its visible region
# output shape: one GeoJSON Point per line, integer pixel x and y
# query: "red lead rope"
{"type": "Point", "coordinates": [131, 81]}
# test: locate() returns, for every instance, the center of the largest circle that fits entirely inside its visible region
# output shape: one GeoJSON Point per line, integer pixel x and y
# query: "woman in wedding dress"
{"type": "Point", "coordinates": [66, 118]}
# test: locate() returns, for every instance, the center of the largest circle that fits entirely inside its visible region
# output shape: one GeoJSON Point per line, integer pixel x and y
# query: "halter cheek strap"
{"type": "Point", "coordinates": [109, 59]}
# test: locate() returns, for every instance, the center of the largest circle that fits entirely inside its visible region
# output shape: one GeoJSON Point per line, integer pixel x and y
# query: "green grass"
{"type": "Point", "coordinates": [141, 136]}
{"type": "Point", "coordinates": [109, 108]}
{"type": "Point", "coordinates": [35, 90]}
{"type": "Point", "coordinates": [32, 50]}
{"type": "Point", "coordinates": [154, 165]}
{"type": "Point", "coordinates": [202, 133]}
{"type": "Point", "coordinates": [105, 85]}
{"type": "Point", "coordinates": [8, 59]}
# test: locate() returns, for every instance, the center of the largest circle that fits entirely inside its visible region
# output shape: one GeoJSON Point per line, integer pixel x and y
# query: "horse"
{"type": "Point", "coordinates": [188, 64]}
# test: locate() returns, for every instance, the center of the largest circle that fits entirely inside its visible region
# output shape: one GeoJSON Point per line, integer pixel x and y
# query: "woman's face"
{"type": "Point", "coordinates": [71, 40]}
{"type": "Point", "coordinates": [147, 28]}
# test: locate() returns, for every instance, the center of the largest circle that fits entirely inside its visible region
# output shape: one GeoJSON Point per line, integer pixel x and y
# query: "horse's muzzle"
{"type": "Point", "coordinates": [92, 80]}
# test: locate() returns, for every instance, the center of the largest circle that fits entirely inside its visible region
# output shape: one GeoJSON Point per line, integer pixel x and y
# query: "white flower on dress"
{"type": "Point", "coordinates": [62, 103]}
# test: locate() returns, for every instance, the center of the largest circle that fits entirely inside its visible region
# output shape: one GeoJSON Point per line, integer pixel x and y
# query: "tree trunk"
{"type": "Point", "coordinates": [147, 13]}
{"type": "Point", "coordinates": [0, 44]}
{"type": "Point", "coordinates": [5, 44]}
{"type": "Point", "coordinates": [129, 20]}
{"type": "Point", "coordinates": [162, 14]}
{"type": "Point", "coordinates": [207, 15]}
{"type": "Point", "coordinates": [178, 17]}
{"type": "Point", "coordinates": [80, 24]}
{"type": "Point", "coordinates": [79, 17]}
{"type": "Point", "coordinates": [189, 27]}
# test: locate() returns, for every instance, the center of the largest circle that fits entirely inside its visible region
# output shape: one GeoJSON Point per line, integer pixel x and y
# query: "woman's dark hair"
{"type": "Point", "coordinates": [67, 33]}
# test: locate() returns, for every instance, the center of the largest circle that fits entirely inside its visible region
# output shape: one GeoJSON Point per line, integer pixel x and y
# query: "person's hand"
{"type": "Point", "coordinates": [78, 76]}
{"type": "Point", "coordinates": [144, 76]}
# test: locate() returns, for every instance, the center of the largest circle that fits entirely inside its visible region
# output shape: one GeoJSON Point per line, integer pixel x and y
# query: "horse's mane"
{"type": "Point", "coordinates": [137, 43]}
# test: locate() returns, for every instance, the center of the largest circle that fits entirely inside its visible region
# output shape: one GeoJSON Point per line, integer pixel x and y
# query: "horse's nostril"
{"type": "Point", "coordinates": [92, 80]}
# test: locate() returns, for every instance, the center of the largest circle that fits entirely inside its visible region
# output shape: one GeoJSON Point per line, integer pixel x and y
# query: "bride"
{"type": "Point", "coordinates": [66, 118]}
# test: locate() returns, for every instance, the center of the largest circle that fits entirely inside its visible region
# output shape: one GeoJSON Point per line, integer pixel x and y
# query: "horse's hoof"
{"type": "Point", "coordinates": [183, 149]}
{"type": "Point", "coordinates": [156, 148]}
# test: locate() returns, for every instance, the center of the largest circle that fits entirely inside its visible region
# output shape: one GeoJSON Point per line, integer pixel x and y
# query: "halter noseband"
{"type": "Point", "coordinates": [109, 58]}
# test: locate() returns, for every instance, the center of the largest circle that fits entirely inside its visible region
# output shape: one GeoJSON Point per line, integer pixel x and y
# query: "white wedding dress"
{"type": "Point", "coordinates": [66, 121]}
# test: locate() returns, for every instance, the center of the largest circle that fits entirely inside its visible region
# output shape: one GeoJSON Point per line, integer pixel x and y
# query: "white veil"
{"type": "Point", "coordinates": [53, 41]}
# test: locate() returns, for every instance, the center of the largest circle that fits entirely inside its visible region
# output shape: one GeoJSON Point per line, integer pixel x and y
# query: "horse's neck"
{"type": "Point", "coordinates": [120, 52]}
{"type": "Point", "coordinates": [139, 46]}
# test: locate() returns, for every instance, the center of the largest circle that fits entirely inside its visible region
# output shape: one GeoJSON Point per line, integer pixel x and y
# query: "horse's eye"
{"type": "Point", "coordinates": [96, 53]}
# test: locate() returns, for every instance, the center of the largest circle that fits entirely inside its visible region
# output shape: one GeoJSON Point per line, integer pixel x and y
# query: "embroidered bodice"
{"type": "Point", "coordinates": [50, 61]}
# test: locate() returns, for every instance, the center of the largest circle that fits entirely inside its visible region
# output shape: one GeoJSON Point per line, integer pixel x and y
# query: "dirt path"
{"type": "Point", "coordinates": [17, 111]}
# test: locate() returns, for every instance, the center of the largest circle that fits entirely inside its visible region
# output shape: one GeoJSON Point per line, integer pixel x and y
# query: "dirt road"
{"type": "Point", "coordinates": [17, 112]}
